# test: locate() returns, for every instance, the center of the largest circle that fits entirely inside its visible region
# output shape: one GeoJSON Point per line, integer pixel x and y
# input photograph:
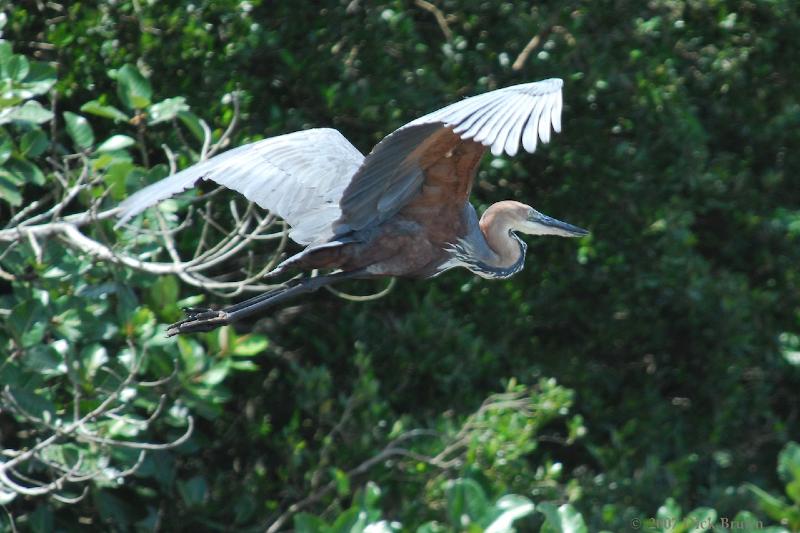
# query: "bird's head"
{"type": "Point", "coordinates": [525, 219]}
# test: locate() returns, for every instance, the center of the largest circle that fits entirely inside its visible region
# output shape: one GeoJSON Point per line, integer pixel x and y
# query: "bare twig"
{"type": "Point", "coordinates": [532, 45]}
{"type": "Point", "coordinates": [440, 17]}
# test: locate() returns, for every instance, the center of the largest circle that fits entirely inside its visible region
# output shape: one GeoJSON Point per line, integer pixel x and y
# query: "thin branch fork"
{"type": "Point", "coordinates": [77, 430]}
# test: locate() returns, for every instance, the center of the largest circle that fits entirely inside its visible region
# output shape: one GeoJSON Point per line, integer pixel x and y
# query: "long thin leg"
{"type": "Point", "coordinates": [207, 319]}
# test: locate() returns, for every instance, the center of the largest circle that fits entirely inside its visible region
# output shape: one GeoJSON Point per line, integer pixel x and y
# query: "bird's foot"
{"type": "Point", "coordinates": [198, 319]}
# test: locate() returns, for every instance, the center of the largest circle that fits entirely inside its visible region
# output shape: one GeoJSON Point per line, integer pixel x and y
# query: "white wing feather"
{"type": "Point", "coordinates": [300, 176]}
{"type": "Point", "coordinates": [503, 118]}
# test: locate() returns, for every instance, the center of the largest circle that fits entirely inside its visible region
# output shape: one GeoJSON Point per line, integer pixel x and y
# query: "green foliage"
{"type": "Point", "coordinates": [672, 330]}
{"type": "Point", "coordinates": [21, 80]}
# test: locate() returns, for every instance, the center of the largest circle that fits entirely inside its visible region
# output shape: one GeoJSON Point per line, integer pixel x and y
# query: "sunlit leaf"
{"type": "Point", "coordinates": [6, 147]}
{"type": "Point", "coordinates": [17, 67]}
{"type": "Point", "coordinates": [249, 345]}
{"type": "Point", "coordinates": [506, 511]}
{"type": "Point", "coordinates": [79, 130]}
{"type": "Point", "coordinates": [115, 142]}
{"type": "Point", "coordinates": [30, 111]}
{"type": "Point", "coordinates": [217, 373]}
{"type": "Point", "coordinates": [44, 359]}
{"type": "Point", "coordinates": [40, 79]}
{"type": "Point", "coordinates": [562, 519]}
{"type": "Point", "coordinates": [133, 89]}
{"type": "Point", "coordinates": [9, 191]}
{"type": "Point", "coordinates": [167, 109]}
{"type": "Point", "coordinates": [106, 111]}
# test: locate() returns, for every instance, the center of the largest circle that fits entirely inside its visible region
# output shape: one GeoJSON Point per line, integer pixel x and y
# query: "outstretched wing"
{"type": "Point", "coordinates": [300, 176]}
{"type": "Point", "coordinates": [394, 172]}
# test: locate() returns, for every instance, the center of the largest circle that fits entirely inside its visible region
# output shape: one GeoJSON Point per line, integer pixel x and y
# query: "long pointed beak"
{"type": "Point", "coordinates": [562, 229]}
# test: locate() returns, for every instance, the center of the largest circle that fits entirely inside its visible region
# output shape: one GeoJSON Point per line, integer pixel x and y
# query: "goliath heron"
{"type": "Point", "coordinates": [403, 210]}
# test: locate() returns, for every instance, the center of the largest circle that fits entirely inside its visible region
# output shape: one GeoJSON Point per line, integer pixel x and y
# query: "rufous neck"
{"type": "Point", "coordinates": [496, 225]}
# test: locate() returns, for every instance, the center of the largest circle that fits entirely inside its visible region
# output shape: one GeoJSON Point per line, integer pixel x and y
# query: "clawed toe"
{"type": "Point", "coordinates": [198, 319]}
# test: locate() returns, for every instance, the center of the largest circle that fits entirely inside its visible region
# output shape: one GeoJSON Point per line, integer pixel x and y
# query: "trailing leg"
{"type": "Point", "coordinates": [199, 319]}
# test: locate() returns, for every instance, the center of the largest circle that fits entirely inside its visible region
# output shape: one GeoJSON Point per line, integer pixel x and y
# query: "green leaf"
{"type": "Point", "coordinates": [28, 322]}
{"type": "Point", "coordinates": [669, 512]}
{"type": "Point", "coordinates": [351, 521]}
{"type": "Point", "coordinates": [564, 519]}
{"type": "Point", "coordinates": [33, 143]}
{"type": "Point", "coordinates": [5, 55]}
{"type": "Point", "coordinates": [40, 79]}
{"type": "Point", "coordinates": [41, 520]}
{"type": "Point", "coordinates": [793, 491]}
{"type": "Point", "coordinates": [6, 147]}
{"type": "Point", "coordinates": [34, 404]}
{"type": "Point", "coordinates": [9, 191]}
{"type": "Point", "coordinates": [342, 481]}
{"type": "Point", "coordinates": [774, 507]}
{"type": "Point", "coordinates": [44, 359]}
{"type": "Point", "coordinates": [432, 527]}
{"type": "Point", "coordinates": [69, 325]}
{"type": "Point", "coordinates": [115, 177]}
{"type": "Point", "coordinates": [112, 509]}
{"type": "Point", "coordinates": [31, 111]}
{"type": "Point", "coordinates": [133, 89]}
{"type": "Point", "coordinates": [115, 142]}
{"type": "Point", "coordinates": [747, 522]}
{"type": "Point", "coordinates": [466, 502]}
{"type": "Point", "coordinates": [106, 111]}
{"type": "Point", "coordinates": [163, 294]}
{"type": "Point", "coordinates": [92, 358]}
{"type": "Point", "coordinates": [217, 373]}
{"type": "Point", "coordinates": [17, 67]}
{"type": "Point", "coordinates": [507, 510]}
{"type": "Point", "coordinates": [192, 123]}
{"type": "Point", "coordinates": [789, 462]}
{"type": "Point", "coordinates": [24, 171]}
{"type": "Point", "coordinates": [167, 109]}
{"type": "Point", "coordinates": [244, 366]}
{"type": "Point", "coordinates": [308, 523]}
{"type": "Point", "coordinates": [79, 130]}
{"type": "Point", "coordinates": [370, 495]}
{"type": "Point", "coordinates": [193, 491]}
{"type": "Point", "coordinates": [249, 345]}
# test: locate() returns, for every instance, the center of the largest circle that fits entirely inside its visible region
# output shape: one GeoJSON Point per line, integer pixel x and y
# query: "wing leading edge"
{"type": "Point", "coordinates": [393, 173]}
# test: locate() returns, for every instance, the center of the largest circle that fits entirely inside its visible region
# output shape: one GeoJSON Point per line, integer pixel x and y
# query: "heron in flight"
{"type": "Point", "coordinates": [403, 210]}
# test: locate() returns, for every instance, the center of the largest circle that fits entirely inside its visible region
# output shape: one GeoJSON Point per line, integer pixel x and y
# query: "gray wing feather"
{"type": "Point", "coordinates": [391, 174]}
{"type": "Point", "coordinates": [300, 176]}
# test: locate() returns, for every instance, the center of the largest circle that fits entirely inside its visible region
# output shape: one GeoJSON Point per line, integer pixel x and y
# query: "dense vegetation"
{"type": "Point", "coordinates": [649, 372]}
